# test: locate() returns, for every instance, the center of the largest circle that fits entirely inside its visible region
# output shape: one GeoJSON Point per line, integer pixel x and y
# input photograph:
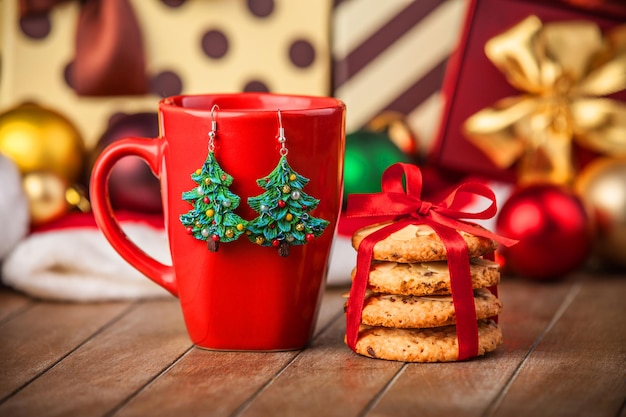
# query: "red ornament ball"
{"type": "Point", "coordinates": [281, 203]}
{"type": "Point", "coordinates": [132, 185]}
{"type": "Point", "coordinates": [551, 225]}
{"type": "Point", "coordinates": [206, 200]}
{"type": "Point", "coordinates": [309, 237]}
{"type": "Point", "coordinates": [215, 238]}
{"type": "Point", "coordinates": [275, 242]}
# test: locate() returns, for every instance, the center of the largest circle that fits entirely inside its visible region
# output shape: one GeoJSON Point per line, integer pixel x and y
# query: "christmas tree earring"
{"type": "Point", "coordinates": [212, 217]}
{"type": "Point", "coordinates": [283, 208]}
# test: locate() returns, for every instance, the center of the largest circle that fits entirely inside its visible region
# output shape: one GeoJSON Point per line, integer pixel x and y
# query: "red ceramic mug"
{"type": "Point", "coordinates": [243, 296]}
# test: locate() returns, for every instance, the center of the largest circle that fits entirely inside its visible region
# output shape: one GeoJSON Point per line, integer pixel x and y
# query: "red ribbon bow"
{"type": "Point", "coordinates": [404, 208]}
{"type": "Point", "coordinates": [109, 56]}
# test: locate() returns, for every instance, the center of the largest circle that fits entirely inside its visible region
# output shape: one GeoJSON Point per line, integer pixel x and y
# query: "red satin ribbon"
{"type": "Point", "coordinates": [404, 208]}
{"type": "Point", "coordinates": [110, 57]}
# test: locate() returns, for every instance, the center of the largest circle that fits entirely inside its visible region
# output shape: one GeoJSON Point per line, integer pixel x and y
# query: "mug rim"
{"type": "Point", "coordinates": [266, 102]}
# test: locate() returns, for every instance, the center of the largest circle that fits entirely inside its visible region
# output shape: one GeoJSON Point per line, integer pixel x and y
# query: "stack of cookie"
{"type": "Point", "coordinates": [408, 313]}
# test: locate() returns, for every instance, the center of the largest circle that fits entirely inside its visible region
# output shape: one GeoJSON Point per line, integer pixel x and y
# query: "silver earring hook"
{"type": "Point", "coordinates": [213, 132]}
{"type": "Point", "coordinates": [281, 136]}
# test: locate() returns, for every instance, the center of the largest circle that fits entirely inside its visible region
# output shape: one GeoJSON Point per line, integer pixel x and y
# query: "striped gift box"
{"type": "Point", "coordinates": [391, 56]}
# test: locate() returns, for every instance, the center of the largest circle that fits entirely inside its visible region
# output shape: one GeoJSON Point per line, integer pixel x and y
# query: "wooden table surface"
{"type": "Point", "coordinates": [564, 355]}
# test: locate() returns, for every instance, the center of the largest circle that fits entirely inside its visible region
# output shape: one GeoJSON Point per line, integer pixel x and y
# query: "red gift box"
{"type": "Point", "coordinates": [472, 82]}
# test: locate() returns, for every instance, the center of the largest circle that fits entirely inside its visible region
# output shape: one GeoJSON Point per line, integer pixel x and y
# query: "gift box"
{"type": "Point", "coordinates": [187, 46]}
{"type": "Point", "coordinates": [473, 82]}
{"type": "Point", "coordinates": [387, 62]}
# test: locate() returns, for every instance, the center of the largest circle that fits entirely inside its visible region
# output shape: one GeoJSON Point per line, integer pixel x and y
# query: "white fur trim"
{"type": "Point", "coordinates": [79, 264]}
{"type": "Point", "coordinates": [14, 214]}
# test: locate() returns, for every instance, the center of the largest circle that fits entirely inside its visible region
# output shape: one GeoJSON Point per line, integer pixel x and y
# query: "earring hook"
{"type": "Point", "coordinates": [213, 131]}
{"type": "Point", "coordinates": [215, 106]}
{"type": "Point", "coordinates": [281, 135]}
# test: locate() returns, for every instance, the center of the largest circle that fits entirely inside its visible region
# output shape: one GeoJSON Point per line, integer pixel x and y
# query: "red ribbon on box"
{"type": "Point", "coordinates": [404, 207]}
{"type": "Point", "coordinates": [109, 56]}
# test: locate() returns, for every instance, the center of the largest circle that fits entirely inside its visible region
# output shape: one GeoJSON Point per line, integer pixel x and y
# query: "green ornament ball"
{"type": "Point", "coordinates": [367, 156]}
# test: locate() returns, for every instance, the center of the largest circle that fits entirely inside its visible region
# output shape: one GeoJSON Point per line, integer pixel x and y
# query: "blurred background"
{"type": "Point", "coordinates": [76, 76]}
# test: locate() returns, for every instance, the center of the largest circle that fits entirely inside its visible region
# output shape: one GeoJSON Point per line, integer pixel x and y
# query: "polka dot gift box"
{"type": "Point", "coordinates": [187, 46]}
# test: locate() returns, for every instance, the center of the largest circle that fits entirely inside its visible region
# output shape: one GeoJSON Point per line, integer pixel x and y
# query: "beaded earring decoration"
{"type": "Point", "coordinates": [212, 217]}
{"type": "Point", "coordinates": [283, 208]}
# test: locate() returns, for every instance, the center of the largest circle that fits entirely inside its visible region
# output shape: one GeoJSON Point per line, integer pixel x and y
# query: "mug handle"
{"type": "Point", "coordinates": [150, 150]}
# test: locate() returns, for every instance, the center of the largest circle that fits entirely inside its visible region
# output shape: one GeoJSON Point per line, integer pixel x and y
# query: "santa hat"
{"type": "Point", "coordinates": [71, 260]}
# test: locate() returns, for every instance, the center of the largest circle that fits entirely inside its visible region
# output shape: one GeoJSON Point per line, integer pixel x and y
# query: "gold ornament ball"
{"type": "Point", "coordinates": [39, 139]}
{"type": "Point", "coordinates": [602, 187]}
{"type": "Point", "coordinates": [397, 129]}
{"type": "Point", "coordinates": [46, 196]}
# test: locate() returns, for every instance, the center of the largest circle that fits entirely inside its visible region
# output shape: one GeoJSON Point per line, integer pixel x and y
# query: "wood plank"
{"type": "Point", "coordinates": [579, 366]}
{"type": "Point", "coordinates": [468, 388]}
{"type": "Point", "coordinates": [564, 354]}
{"type": "Point", "coordinates": [106, 369]}
{"type": "Point", "coordinates": [208, 383]}
{"type": "Point", "coordinates": [11, 303]}
{"type": "Point", "coordinates": [34, 340]}
{"type": "Point", "coordinates": [217, 383]}
{"type": "Point", "coordinates": [327, 379]}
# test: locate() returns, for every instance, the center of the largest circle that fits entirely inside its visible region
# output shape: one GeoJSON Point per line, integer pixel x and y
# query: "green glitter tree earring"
{"type": "Point", "coordinates": [212, 217]}
{"type": "Point", "coordinates": [283, 208]}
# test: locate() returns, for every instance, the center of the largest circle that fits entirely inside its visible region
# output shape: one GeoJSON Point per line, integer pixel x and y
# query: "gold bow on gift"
{"type": "Point", "coordinates": [563, 69]}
